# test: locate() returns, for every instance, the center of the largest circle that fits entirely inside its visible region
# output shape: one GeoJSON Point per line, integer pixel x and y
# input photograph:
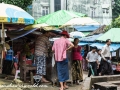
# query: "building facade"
{"type": "Point", "coordinates": [56, 5]}
{"type": "Point", "coordinates": [40, 8]}
{"type": "Point", "coordinates": [44, 7]}
{"type": "Point", "coordinates": [100, 10]}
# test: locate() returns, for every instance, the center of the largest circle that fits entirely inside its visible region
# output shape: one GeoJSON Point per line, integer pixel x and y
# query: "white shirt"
{"type": "Point", "coordinates": [92, 57]}
{"type": "Point", "coordinates": [99, 58]}
{"type": "Point", "coordinates": [105, 51]}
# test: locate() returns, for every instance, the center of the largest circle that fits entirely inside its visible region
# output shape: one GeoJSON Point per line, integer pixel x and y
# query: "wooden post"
{"type": "Point", "coordinates": [3, 43]}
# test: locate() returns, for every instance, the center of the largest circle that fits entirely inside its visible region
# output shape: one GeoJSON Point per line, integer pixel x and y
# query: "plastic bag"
{"type": "Point", "coordinates": [53, 60]}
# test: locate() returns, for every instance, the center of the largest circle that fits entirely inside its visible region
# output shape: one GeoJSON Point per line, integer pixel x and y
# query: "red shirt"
{"type": "Point", "coordinates": [76, 55]}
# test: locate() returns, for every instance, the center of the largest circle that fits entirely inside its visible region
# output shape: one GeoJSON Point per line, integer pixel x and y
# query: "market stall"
{"type": "Point", "coordinates": [11, 14]}
{"type": "Point", "coordinates": [26, 64]}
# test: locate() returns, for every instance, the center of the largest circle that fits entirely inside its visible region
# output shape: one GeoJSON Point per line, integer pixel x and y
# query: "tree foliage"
{"type": "Point", "coordinates": [116, 16]}
{"type": "Point", "coordinates": [115, 24]}
{"type": "Point", "coordinates": [116, 9]}
{"type": "Point", "coordinates": [20, 3]}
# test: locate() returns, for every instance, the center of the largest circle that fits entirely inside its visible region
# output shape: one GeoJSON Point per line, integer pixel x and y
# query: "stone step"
{"type": "Point", "coordinates": [86, 83]}
{"type": "Point", "coordinates": [105, 86]}
{"type": "Point", "coordinates": [107, 78]}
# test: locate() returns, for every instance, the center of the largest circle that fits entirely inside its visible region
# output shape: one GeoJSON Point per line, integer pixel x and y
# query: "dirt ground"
{"type": "Point", "coordinates": [10, 85]}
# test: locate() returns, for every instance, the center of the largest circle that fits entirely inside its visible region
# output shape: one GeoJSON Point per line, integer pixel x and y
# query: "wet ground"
{"type": "Point", "coordinates": [46, 86]}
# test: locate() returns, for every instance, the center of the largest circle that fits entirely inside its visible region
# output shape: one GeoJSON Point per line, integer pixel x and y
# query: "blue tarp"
{"type": "Point", "coordinates": [83, 43]}
{"type": "Point", "coordinates": [113, 47]}
{"type": "Point", "coordinates": [90, 38]}
{"type": "Point", "coordinates": [86, 28]}
{"type": "Point", "coordinates": [30, 6]}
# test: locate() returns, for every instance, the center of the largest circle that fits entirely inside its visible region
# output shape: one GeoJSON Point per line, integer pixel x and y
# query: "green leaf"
{"type": "Point", "coordinates": [116, 9]}
{"type": "Point", "coordinates": [20, 3]}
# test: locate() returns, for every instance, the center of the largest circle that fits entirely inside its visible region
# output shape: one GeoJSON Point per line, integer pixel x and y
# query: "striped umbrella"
{"type": "Point", "coordinates": [13, 14]}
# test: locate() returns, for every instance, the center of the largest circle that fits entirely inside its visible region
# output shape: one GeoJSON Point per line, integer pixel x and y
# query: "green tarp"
{"type": "Point", "coordinates": [58, 18]}
{"type": "Point", "coordinates": [113, 34]}
{"type": "Point", "coordinates": [86, 33]}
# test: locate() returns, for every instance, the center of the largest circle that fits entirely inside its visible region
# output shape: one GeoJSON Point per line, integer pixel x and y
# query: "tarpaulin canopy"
{"type": "Point", "coordinates": [98, 31]}
{"type": "Point", "coordinates": [81, 21]}
{"type": "Point", "coordinates": [21, 33]}
{"type": "Point", "coordinates": [113, 34]}
{"type": "Point", "coordinates": [86, 33]}
{"type": "Point", "coordinates": [84, 43]}
{"type": "Point", "coordinates": [18, 34]}
{"type": "Point", "coordinates": [35, 26]}
{"type": "Point", "coordinates": [113, 47]}
{"type": "Point", "coordinates": [91, 38]}
{"type": "Point", "coordinates": [58, 18]}
{"type": "Point", "coordinates": [86, 28]}
{"type": "Point", "coordinates": [76, 34]}
{"type": "Point", "coordinates": [38, 26]}
{"type": "Point", "coordinates": [53, 39]}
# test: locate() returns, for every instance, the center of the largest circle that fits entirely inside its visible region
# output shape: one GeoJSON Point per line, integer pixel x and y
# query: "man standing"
{"type": "Point", "coordinates": [92, 58]}
{"type": "Point", "coordinates": [106, 59]}
{"type": "Point", "coordinates": [60, 47]}
{"type": "Point", "coordinates": [41, 52]}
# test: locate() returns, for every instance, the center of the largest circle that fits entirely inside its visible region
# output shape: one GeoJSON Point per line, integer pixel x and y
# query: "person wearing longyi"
{"type": "Point", "coordinates": [106, 59]}
{"type": "Point", "coordinates": [41, 53]}
{"type": "Point", "coordinates": [77, 72]}
{"type": "Point", "coordinates": [60, 48]}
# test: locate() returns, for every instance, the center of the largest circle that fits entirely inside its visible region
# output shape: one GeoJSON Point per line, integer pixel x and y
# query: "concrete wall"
{"type": "Point", "coordinates": [51, 6]}
{"type": "Point", "coordinates": [38, 6]}
{"type": "Point", "coordinates": [93, 8]}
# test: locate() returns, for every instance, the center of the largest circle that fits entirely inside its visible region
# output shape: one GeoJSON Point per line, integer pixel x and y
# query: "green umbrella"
{"type": "Point", "coordinates": [59, 18]}
{"type": "Point", "coordinates": [113, 34]}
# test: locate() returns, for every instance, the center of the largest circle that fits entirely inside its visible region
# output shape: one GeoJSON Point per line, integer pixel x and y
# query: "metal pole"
{"type": "Point", "coordinates": [66, 4]}
{"type": "Point", "coordinates": [49, 7]}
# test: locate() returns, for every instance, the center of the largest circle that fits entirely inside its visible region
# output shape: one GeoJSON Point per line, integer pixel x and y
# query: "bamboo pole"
{"type": "Point", "coordinates": [3, 43]}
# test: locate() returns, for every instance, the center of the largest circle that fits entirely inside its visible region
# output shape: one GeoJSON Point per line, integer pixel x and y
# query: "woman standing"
{"type": "Point", "coordinates": [77, 72]}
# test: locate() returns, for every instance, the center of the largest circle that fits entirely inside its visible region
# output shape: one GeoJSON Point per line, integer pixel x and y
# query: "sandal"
{"type": "Point", "coordinates": [81, 80]}
{"type": "Point", "coordinates": [6, 78]}
{"type": "Point", "coordinates": [61, 89]}
{"type": "Point", "coordinates": [43, 80]}
{"type": "Point", "coordinates": [77, 83]}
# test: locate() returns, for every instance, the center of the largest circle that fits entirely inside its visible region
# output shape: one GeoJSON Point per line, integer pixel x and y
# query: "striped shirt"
{"type": "Point", "coordinates": [42, 45]}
